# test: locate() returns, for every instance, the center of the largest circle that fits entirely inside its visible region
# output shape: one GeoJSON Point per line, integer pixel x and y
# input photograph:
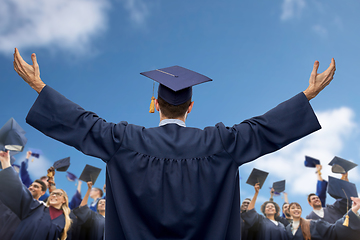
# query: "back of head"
{"type": "Point", "coordinates": [172, 111]}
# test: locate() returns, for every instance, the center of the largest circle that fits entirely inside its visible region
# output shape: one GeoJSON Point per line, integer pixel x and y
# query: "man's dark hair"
{"type": "Point", "coordinates": [101, 191]}
{"type": "Point", "coordinates": [310, 195]}
{"type": "Point", "coordinates": [43, 185]}
{"type": "Point", "coordinates": [172, 111]}
{"type": "Point", "coordinates": [277, 208]}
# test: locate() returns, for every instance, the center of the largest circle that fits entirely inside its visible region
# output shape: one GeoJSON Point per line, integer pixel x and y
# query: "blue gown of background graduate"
{"type": "Point", "coordinates": [322, 230]}
{"type": "Point", "coordinates": [92, 223]}
{"type": "Point", "coordinates": [26, 180]}
{"type": "Point", "coordinates": [172, 182]}
{"type": "Point", "coordinates": [265, 229]}
{"type": "Point", "coordinates": [36, 223]}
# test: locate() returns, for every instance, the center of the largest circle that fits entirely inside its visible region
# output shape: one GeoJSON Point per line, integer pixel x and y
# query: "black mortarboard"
{"type": "Point", "coordinates": [311, 162]}
{"type": "Point", "coordinates": [70, 176]}
{"type": "Point", "coordinates": [176, 83]}
{"type": "Point", "coordinates": [257, 176]}
{"type": "Point", "coordinates": [340, 165]}
{"type": "Point", "coordinates": [90, 173]}
{"type": "Point", "coordinates": [62, 165]}
{"type": "Point", "coordinates": [337, 187]}
{"type": "Point", "coordinates": [12, 136]}
{"type": "Point", "coordinates": [35, 152]}
{"type": "Point", "coordinates": [279, 186]}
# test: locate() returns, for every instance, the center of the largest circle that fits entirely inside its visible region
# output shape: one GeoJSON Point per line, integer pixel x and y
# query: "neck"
{"type": "Point", "coordinates": [58, 206]}
{"type": "Point", "coordinates": [271, 217]}
{"type": "Point", "coordinates": [163, 118]}
{"type": "Point", "coordinates": [317, 207]}
{"type": "Point", "coordinates": [296, 219]}
{"type": "Point", "coordinates": [102, 212]}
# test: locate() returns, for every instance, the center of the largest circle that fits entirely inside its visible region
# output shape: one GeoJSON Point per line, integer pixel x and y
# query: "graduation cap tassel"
{"type": "Point", "coordinates": [152, 104]}
{"type": "Point", "coordinates": [346, 221]}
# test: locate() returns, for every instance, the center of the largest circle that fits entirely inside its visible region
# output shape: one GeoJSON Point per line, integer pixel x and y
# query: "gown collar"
{"type": "Point", "coordinates": [176, 121]}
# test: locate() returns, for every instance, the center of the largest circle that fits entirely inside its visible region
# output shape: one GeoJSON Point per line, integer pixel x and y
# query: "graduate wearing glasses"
{"type": "Point", "coordinates": [38, 221]}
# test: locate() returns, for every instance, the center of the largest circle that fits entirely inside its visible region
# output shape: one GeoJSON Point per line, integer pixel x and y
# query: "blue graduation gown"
{"type": "Point", "coordinates": [172, 182]}
{"type": "Point", "coordinates": [321, 187]}
{"type": "Point", "coordinates": [92, 222]}
{"type": "Point", "coordinates": [333, 212]}
{"type": "Point", "coordinates": [265, 229]}
{"type": "Point", "coordinates": [36, 223]}
{"type": "Point", "coordinates": [8, 222]}
{"type": "Point", "coordinates": [75, 200]}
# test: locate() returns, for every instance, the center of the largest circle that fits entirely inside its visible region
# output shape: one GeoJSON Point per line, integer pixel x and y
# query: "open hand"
{"type": "Point", "coordinates": [30, 73]}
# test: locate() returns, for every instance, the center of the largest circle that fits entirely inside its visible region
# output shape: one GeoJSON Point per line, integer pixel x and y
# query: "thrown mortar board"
{"type": "Point", "coordinates": [340, 165]}
{"type": "Point", "coordinates": [12, 136]}
{"type": "Point", "coordinates": [311, 162]}
{"type": "Point", "coordinates": [279, 186]}
{"type": "Point", "coordinates": [90, 173]}
{"type": "Point", "coordinates": [62, 165]}
{"type": "Point", "coordinates": [257, 176]}
{"type": "Point", "coordinates": [338, 188]}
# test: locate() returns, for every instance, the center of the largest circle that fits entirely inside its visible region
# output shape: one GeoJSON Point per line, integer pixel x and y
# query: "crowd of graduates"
{"type": "Point", "coordinates": [337, 221]}
{"type": "Point", "coordinates": [40, 210]}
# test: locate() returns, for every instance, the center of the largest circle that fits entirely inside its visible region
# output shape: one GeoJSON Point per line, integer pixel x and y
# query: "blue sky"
{"type": "Point", "coordinates": [259, 53]}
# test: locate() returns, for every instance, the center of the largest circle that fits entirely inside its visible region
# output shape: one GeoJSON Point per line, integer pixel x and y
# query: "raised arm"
{"type": "Point", "coordinates": [318, 81]}
{"type": "Point", "coordinates": [86, 197]}
{"type": "Point", "coordinates": [30, 73]}
{"type": "Point", "coordinates": [24, 174]}
{"type": "Point", "coordinates": [12, 192]}
{"type": "Point", "coordinates": [253, 200]}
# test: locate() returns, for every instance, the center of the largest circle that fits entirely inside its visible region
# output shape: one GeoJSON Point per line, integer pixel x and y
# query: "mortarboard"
{"type": "Point", "coordinates": [311, 162]}
{"type": "Point", "coordinates": [257, 176]}
{"type": "Point", "coordinates": [70, 176]}
{"type": "Point", "coordinates": [62, 165]}
{"type": "Point", "coordinates": [176, 83]}
{"type": "Point", "coordinates": [340, 165]}
{"type": "Point", "coordinates": [90, 173]}
{"type": "Point", "coordinates": [12, 136]}
{"type": "Point", "coordinates": [338, 188]}
{"type": "Point", "coordinates": [279, 186]}
{"type": "Point", "coordinates": [35, 152]}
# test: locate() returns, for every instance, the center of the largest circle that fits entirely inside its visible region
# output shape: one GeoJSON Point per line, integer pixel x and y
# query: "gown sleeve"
{"type": "Point", "coordinates": [24, 174]}
{"type": "Point", "coordinates": [252, 219]}
{"type": "Point", "coordinates": [252, 138]}
{"type": "Point", "coordinates": [321, 229]}
{"type": "Point", "coordinates": [321, 187]}
{"type": "Point", "coordinates": [15, 195]}
{"type": "Point", "coordinates": [69, 123]}
{"type": "Point", "coordinates": [75, 200]}
{"type": "Point", "coordinates": [84, 215]}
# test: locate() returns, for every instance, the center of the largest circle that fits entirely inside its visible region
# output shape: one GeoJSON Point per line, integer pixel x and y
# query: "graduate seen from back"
{"type": "Point", "coordinates": [155, 189]}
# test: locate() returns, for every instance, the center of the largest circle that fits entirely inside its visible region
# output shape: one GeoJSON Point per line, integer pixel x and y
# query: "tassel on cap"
{"type": "Point", "coordinates": [346, 222]}
{"type": "Point", "coordinates": [152, 105]}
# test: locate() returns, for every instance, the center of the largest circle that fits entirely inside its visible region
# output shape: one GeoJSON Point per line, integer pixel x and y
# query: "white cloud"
{"type": "Point", "coordinates": [292, 8]}
{"type": "Point", "coordinates": [337, 126]}
{"type": "Point", "coordinates": [138, 10]}
{"type": "Point", "coordinates": [68, 24]}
